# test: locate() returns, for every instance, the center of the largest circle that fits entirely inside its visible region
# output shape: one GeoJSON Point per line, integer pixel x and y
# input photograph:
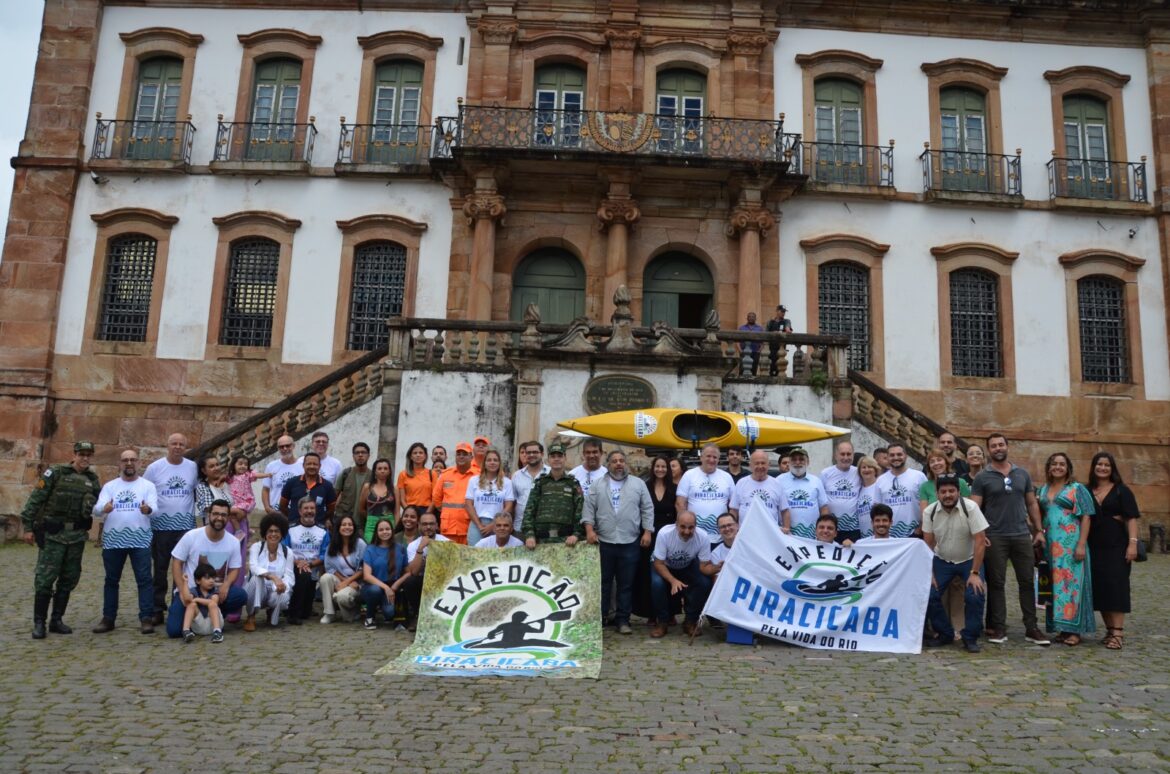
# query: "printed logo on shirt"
{"type": "Point", "coordinates": [125, 500]}
{"type": "Point", "coordinates": [800, 498]}
{"type": "Point", "coordinates": [898, 495]}
{"type": "Point", "coordinates": [841, 489]}
{"type": "Point", "coordinates": [175, 486]}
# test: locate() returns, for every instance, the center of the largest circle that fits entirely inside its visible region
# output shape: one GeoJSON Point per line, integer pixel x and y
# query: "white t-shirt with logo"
{"type": "Point", "coordinates": [842, 488]}
{"type": "Point", "coordinates": [865, 502]}
{"type": "Point", "coordinates": [196, 547]}
{"type": "Point", "coordinates": [767, 491]}
{"type": "Point", "coordinates": [281, 473]}
{"type": "Point", "coordinates": [175, 485]}
{"type": "Point", "coordinates": [586, 478]}
{"type": "Point", "coordinates": [806, 496]}
{"type": "Point", "coordinates": [491, 498]}
{"type": "Point", "coordinates": [900, 492]}
{"type": "Point", "coordinates": [490, 542]}
{"type": "Point", "coordinates": [522, 482]}
{"type": "Point", "coordinates": [708, 495]}
{"type": "Point", "coordinates": [678, 553]}
{"type": "Point", "coordinates": [307, 543]}
{"type": "Point", "coordinates": [126, 526]}
{"type": "Point", "coordinates": [412, 547]}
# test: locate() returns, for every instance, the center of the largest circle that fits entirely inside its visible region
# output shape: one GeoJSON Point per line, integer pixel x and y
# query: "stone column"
{"type": "Point", "coordinates": [497, 32]}
{"type": "Point", "coordinates": [528, 385]}
{"type": "Point", "coordinates": [617, 214]}
{"type": "Point", "coordinates": [483, 207]}
{"type": "Point", "coordinates": [748, 222]}
{"type": "Point", "coordinates": [746, 47]}
{"type": "Point", "coordinates": [622, 42]}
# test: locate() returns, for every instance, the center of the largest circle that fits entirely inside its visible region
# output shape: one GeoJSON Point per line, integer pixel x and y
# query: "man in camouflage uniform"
{"type": "Point", "coordinates": [57, 517]}
{"type": "Point", "coordinates": [554, 504]}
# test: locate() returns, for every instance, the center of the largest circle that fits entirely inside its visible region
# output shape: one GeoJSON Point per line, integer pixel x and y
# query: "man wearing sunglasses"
{"type": "Point", "coordinates": [281, 470]}
{"type": "Point", "coordinates": [1007, 498]}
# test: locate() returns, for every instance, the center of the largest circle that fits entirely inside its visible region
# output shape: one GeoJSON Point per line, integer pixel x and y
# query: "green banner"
{"type": "Point", "coordinates": [505, 612]}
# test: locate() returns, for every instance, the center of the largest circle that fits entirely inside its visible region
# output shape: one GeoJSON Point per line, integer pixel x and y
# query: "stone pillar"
{"type": "Point", "coordinates": [483, 207]}
{"type": "Point", "coordinates": [528, 386]}
{"type": "Point", "coordinates": [498, 32]}
{"type": "Point", "coordinates": [709, 391]}
{"type": "Point", "coordinates": [392, 371]}
{"type": "Point", "coordinates": [47, 166]}
{"type": "Point", "coordinates": [748, 222]}
{"type": "Point", "coordinates": [746, 47]}
{"type": "Point", "coordinates": [617, 213]}
{"type": "Point", "coordinates": [622, 42]}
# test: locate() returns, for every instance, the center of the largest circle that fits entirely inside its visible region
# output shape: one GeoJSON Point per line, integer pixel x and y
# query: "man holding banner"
{"type": "Point", "coordinates": [954, 527]}
{"type": "Point", "coordinates": [822, 595]}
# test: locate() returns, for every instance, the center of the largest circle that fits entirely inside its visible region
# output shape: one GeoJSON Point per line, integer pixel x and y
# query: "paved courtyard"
{"type": "Point", "coordinates": [305, 699]}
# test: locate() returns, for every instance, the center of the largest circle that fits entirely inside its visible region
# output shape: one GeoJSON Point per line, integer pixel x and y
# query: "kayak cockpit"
{"type": "Point", "coordinates": [699, 426]}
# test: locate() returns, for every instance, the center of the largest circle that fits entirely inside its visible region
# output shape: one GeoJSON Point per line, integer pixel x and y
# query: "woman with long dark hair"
{"type": "Point", "coordinates": [382, 564]}
{"type": "Point", "coordinates": [376, 499]}
{"type": "Point", "coordinates": [1066, 508]}
{"type": "Point", "coordinates": [662, 488]}
{"type": "Point", "coordinates": [341, 578]}
{"type": "Point", "coordinates": [1112, 545]}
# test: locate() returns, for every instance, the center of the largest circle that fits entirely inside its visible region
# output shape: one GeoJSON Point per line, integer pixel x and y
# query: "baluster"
{"type": "Point", "coordinates": [782, 362]}
{"type": "Point", "coordinates": [456, 351]}
{"type": "Point", "coordinates": [492, 349]}
{"type": "Point", "coordinates": [348, 388]}
{"type": "Point", "coordinates": [439, 349]}
{"type": "Point", "coordinates": [473, 347]}
{"type": "Point", "coordinates": [332, 400]}
{"type": "Point", "coordinates": [361, 383]}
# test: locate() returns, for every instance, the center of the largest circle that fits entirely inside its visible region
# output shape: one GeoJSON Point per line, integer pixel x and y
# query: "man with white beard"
{"type": "Point", "coordinates": [805, 495]}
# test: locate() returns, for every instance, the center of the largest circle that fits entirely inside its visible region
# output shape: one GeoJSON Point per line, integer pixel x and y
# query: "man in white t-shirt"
{"type": "Point", "coordinates": [330, 466]}
{"type": "Point", "coordinates": [590, 470]}
{"type": "Point", "coordinates": [501, 536]}
{"type": "Point", "coordinates": [532, 452]}
{"type": "Point", "coordinates": [682, 564]}
{"type": "Point", "coordinates": [125, 505]}
{"type": "Point", "coordinates": [758, 486]}
{"type": "Point", "coordinates": [705, 491]}
{"type": "Point", "coordinates": [281, 470]}
{"type": "Point", "coordinates": [842, 486]}
{"type": "Point", "coordinates": [805, 495]}
{"type": "Point", "coordinates": [206, 545]}
{"type": "Point", "coordinates": [728, 529]}
{"type": "Point", "coordinates": [174, 478]}
{"type": "Point", "coordinates": [898, 488]}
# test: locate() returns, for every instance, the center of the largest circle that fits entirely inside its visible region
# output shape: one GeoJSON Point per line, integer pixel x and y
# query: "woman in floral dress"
{"type": "Point", "coordinates": [1067, 507]}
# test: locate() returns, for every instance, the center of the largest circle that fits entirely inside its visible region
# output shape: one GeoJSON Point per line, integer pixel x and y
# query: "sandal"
{"type": "Point", "coordinates": [1072, 640]}
{"type": "Point", "coordinates": [1114, 641]}
{"type": "Point", "coordinates": [1060, 638]}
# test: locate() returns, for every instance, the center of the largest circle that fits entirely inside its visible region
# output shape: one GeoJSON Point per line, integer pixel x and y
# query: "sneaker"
{"type": "Point", "coordinates": [625, 629]}
{"type": "Point", "coordinates": [326, 619]}
{"type": "Point", "coordinates": [217, 636]}
{"type": "Point", "coordinates": [188, 636]}
{"type": "Point", "coordinates": [998, 636]}
{"type": "Point", "coordinates": [370, 624]}
{"type": "Point", "coordinates": [1036, 637]}
{"type": "Point", "coordinates": [936, 642]}
{"type": "Point", "coordinates": [972, 646]}
{"type": "Point", "coordinates": [399, 628]}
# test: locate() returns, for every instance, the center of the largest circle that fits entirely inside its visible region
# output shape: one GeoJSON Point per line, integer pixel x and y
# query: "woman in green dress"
{"type": "Point", "coordinates": [1066, 507]}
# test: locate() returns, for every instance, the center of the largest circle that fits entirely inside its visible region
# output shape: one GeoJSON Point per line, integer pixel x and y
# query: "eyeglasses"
{"type": "Point", "coordinates": [1007, 483]}
{"type": "Point", "coordinates": [129, 459]}
{"type": "Point", "coordinates": [284, 446]}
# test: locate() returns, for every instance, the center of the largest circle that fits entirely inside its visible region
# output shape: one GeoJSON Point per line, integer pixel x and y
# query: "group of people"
{"type": "Point", "coordinates": [357, 538]}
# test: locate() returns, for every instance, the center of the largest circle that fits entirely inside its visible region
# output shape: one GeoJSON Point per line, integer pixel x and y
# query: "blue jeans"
{"type": "Point", "coordinates": [374, 598]}
{"type": "Point", "coordinates": [233, 604]}
{"type": "Point", "coordinates": [115, 561]}
{"type": "Point", "coordinates": [619, 561]}
{"type": "Point", "coordinates": [973, 602]}
{"type": "Point", "coordinates": [698, 587]}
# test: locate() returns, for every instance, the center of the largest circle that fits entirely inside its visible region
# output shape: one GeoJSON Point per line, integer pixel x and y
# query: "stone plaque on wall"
{"type": "Point", "coordinates": [616, 392]}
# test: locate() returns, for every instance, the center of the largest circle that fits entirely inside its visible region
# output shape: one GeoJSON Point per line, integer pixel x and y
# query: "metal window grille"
{"type": "Point", "coordinates": [1104, 343]}
{"type": "Point", "coordinates": [250, 293]}
{"type": "Point", "coordinates": [975, 328]}
{"type": "Point", "coordinates": [127, 287]}
{"type": "Point", "coordinates": [379, 283]}
{"type": "Point", "coordinates": [843, 302]}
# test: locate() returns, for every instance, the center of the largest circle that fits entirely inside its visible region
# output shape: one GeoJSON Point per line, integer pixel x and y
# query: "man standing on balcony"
{"type": "Point", "coordinates": [532, 452]}
{"type": "Point", "coordinates": [174, 478]}
{"type": "Point", "coordinates": [349, 484]}
{"type": "Point", "coordinates": [280, 471]}
{"type": "Point", "coordinates": [330, 466]}
{"type": "Point", "coordinates": [752, 347]}
{"type": "Point", "coordinates": [590, 470]}
{"type": "Point", "coordinates": [778, 324]}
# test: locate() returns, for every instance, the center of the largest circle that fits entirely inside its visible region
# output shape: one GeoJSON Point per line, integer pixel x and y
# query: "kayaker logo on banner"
{"type": "Point", "coordinates": [506, 612]}
{"type": "Point", "coordinates": [748, 428]}
{"type": "Point", "coordinates": [644, 425]}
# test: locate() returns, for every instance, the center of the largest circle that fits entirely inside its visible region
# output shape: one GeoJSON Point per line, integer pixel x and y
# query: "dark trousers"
{"type": "Point", "coordinates": [698, 587]}
{"type": "Point", "coordinates": [410, 592]}
{"type": "Point", "coordinates": [973, 602]}
{"type": "Point", "coordinates": [1017, 550]}
{"type": "Point", "coordinates": [374, 598]}
{"type": "Point", "coordinates": [619, 562]}
{"type": "Point", "coordinates": [161, 546]}
{"type": "Point", "coordinates": [115, 561]}
{"type": "Point", "coordinates": [304, 588]}
{"type": "Point", "coordinates": [233, 604]}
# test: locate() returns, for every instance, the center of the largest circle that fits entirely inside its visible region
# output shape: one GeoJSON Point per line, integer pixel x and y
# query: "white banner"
{"type": "Point", "coordinates": [870, 596]}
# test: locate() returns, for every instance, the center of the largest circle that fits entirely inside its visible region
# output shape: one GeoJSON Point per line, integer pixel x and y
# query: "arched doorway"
{"type": "Point", "coordinates": [554, 280]}
{"type": "Point", "coordinates": [676, 289]}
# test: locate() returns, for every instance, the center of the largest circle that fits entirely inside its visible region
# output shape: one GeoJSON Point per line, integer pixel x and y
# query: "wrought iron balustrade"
{"type": "Point", "coordinates": [839, 163]}
{"type": "Point", "coordinates": [613, 132]}
{"type": "Point", "coordinates": [245, 141]}
{"type": "Point", "coordinates": [968, 172]}
{"type": "Point", "coordinates": [143, 141]}
{"type": "Point", "coordinates": [383, 144]}
{"type": "Point", "coordinates": [1120, 181]}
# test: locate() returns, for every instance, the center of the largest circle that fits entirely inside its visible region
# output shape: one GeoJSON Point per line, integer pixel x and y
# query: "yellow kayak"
{"type": "Point", "coordinates": [675, 428]}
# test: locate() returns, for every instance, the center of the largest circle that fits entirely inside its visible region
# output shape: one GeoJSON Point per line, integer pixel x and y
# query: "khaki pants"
{"type": "Point", "coordinates": [333, 602]}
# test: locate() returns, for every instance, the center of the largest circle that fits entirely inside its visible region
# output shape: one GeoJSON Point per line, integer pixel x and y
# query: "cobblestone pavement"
{"type": "Point", "coordinates": [304, 698]}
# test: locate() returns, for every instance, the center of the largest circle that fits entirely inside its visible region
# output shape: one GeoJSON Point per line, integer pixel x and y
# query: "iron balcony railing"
{"type": "Point", "coordinates": [383, 144]}
{"type": "Point", "coordinates": [613, 132]}
{"type": "Point", "coordinates": [967, 172]}
{"type": "Point", "coordinates": [1119, 181]}
{"type": "Point", "coordinates": [143, 141]}
{"type": "Point", "coordinates": [256, 142]}
{"type": "Point", "coordinates": [838, 163]}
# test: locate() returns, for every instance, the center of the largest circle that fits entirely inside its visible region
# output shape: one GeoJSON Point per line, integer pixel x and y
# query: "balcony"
{"type": "Point", "coordinates": [961, 176]}
{"type": "Point", "coordinates": [380, 149]}
{"type": "Point", "coordinates": [843, 166]}
{"type": "Point", "coordinates": [1098, 181]}
{"type": "Point", "coordinates": [595, 135]}
{"type": "Point", "coordinates": [163, 146]}
{"type": "Point", "coordinates": [264, 148]}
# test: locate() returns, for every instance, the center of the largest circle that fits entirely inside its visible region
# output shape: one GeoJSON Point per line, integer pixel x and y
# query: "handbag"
{"type": "Point", "coordinates": [1141, 551]}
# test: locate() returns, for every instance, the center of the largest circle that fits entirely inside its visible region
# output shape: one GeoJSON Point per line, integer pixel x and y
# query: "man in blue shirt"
{"type": "Point", "coordinates": [752, 347]}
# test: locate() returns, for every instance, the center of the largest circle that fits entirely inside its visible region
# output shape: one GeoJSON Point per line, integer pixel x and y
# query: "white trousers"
{"type": "Point", "coordinates": [333, 602]}
{"type": "Point", "coordinates": [262, 594]}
